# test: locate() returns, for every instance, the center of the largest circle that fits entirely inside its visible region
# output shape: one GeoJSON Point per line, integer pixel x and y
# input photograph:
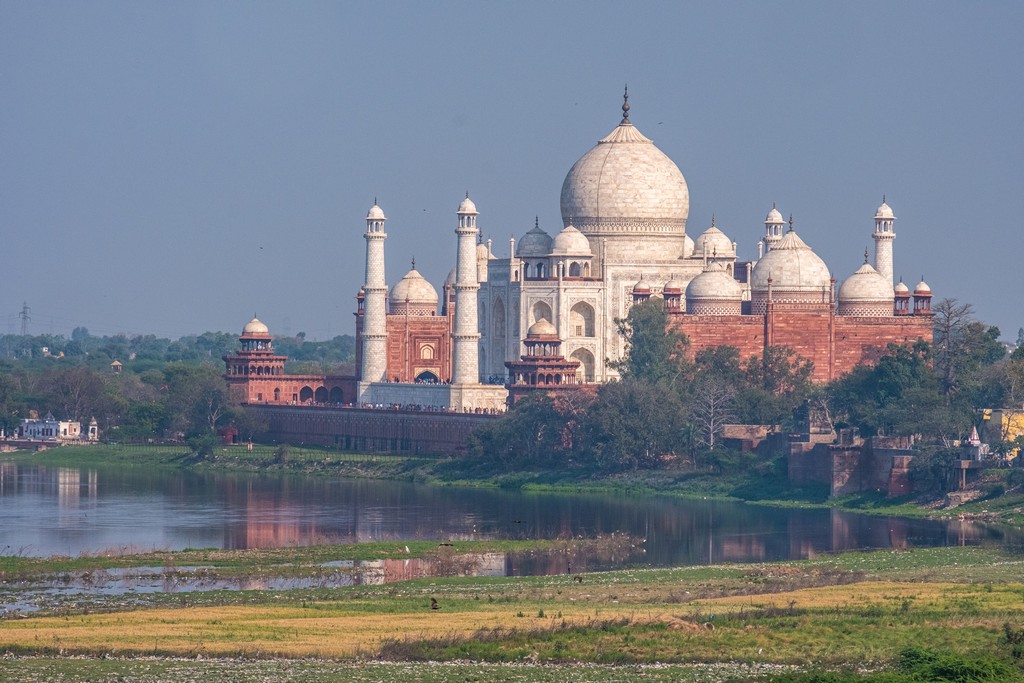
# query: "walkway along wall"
{"type": "Point", "coordinates": [409, 432]}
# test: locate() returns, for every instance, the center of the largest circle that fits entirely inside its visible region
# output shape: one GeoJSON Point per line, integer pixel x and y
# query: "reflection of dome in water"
{"type": "Point", "coordinates": [625, 185]}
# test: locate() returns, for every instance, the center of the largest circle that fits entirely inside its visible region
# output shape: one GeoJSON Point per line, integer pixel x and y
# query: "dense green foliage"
{"type": "Point", "coordinates": [165, 389]}
{"type": "Point", "coordinates": [671, 406]}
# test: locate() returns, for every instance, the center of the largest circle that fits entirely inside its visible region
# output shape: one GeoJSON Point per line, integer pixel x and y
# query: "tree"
{"type": "Point", "coordinates": [633, 424]}
{"type": "Point", "coordinates": [532, 432]}
{"type": "Point", "coordinates": [655, 352]}
{"type": "Point", "coordinates": [714, 401]}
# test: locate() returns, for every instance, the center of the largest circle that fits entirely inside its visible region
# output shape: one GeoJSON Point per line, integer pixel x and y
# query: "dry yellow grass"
{"type": "Point", "coordinates": [264, 631]}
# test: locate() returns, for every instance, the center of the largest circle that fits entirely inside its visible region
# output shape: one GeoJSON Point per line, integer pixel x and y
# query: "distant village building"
{"type": "Point", "coordinates": [49, 428]}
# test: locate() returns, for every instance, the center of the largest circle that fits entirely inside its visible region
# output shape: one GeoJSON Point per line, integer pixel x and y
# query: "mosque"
{"type": "Point", "coordinates": [543, 317]}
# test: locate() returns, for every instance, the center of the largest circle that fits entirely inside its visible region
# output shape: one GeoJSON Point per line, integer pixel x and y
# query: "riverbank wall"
{"type": "Point", "coordinates": [367, 430]}
{"type": "Point", "coordinates": [877, 464]}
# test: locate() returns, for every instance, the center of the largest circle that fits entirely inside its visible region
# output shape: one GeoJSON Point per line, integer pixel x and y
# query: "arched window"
{"type": "Point", "coordinates": [427, 351]}
{"type": "Point", "coordinates": [586, 359]}
{"type": "Point", "coordinates": [541, 311]}
{"type": "Point", "coordinates": [277, 395]}
{"type": "Point", "coordinates": [498, 315]}
{"type": "Point", "coordinates": [574, 269]}
{"type": "Point", "coordinates": [581, 320]}
{"type": "Point", "coordinates": [305, 394]}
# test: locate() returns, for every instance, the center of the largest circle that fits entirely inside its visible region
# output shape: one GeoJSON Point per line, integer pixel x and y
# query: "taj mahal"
{"type": "Point", "coordinates": [543, 316]}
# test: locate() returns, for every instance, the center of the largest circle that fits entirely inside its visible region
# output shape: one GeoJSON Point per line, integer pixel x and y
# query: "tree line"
{"type": "Point", "coordinates": [671, 405]}
{"type": "Point", "coordinates": [164, 390]}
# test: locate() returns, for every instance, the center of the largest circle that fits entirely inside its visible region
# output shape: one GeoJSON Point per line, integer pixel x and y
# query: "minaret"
{"type": "Point", "coordinates": [375, 292]}
{"type": "Point", "coordinates": [466, 335]}
{"type": "Point", "coordinates": [883, 240]}
{"type": "Point", "coordinates": [772, 228]}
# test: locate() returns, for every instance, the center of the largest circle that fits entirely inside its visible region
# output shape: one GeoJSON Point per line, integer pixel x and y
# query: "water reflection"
{"type": "Point", "coordinates": [70, 511]}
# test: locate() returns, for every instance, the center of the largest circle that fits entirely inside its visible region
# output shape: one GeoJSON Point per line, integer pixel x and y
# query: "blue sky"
{"type": "Point", "coordinates": [171, 168]}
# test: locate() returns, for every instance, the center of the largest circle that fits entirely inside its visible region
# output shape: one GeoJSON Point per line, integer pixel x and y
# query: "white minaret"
{"type": "Point", "coordinates": [375, 330]}
{"type": "Point", "coordinates": [466, 335]}
{"type": "Point", "coordinates": [884, 236]}
{"type": "Point", "coordinates": [772, 228]}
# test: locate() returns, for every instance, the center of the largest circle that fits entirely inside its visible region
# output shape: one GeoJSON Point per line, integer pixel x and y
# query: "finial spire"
{"type": "Point", "coordinates": [536, 222]}
{"type": "Point", "coordinates": [375, 200]}
{"type": "Point", "coordinates": [883, 198]}
{"type": "Point", "coordinates": [865, 254]}
{"type": "Point", "coordinates": [625, 105]}
{"type": "Point", "coordinates": [773, 205]}
{"type": "Point", "coordinates": [790, 222]}
{"type": "Point", "coordinates": [414, 263]}
{"type": "Point", "coordinates": [467, 194]}
{"type": "Point", "coordinates": [712, 220]}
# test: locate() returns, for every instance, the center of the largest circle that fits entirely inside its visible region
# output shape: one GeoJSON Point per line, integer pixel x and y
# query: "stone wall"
{"type": "Point", "coordinates": [852, 468]}
{"type": "Point", "coordinates": [370, 431]}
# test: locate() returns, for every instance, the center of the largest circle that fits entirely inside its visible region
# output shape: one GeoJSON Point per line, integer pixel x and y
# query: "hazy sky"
{"type": "Point", "coordinates": [173, 167]}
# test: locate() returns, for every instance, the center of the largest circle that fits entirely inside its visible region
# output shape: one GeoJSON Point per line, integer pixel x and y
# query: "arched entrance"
{"type": "Point", "coordinates": [305, 394]}
{"type": "Point", "coordinates": [428, 377]}
{"type": "Point", "coordinates": [320, 395]}
{"type": "Point", "coordinates": [337, 396]}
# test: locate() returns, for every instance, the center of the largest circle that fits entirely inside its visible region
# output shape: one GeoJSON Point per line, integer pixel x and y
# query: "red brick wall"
{"type": "Point", "coordinates": [835, 344]}
{"type": "Point", "coordinates": [864, 340]}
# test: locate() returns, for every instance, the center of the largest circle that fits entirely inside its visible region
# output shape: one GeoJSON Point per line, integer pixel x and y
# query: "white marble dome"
{"type": "Point", "coordinates": [571, 242]}
{"type": "Point", "coordinates": [774, 217]}
{"type": "Point", "coordinates": [713, 243]}
{"type": "Point", "coordinates": [413, 295]}
{"type": "Point", "coordinates": [866, 293]}
{"type": "Point", "coordinates": [255, 328]}
{"type": "Point", "coordinates": [922, 289]}
{"type": "Point", "coordinates": [884, 212]}
{"type": "Point", "coordinates": [625, 184]}
{"type": "Point", "coordinates": [375, 213]}
{"type": "Point", "coordinates": [901, 289]}
{"type": "Point", "coordinates": [714, 292]}
{"type": "Point", "coordinates": [797, 274]}
{"type": "Point", "coordinates": [714, 283]}
{"type": "Point", "coordinates": [467, 206]}
{"type": "Point", "coordinates": [535, 243]}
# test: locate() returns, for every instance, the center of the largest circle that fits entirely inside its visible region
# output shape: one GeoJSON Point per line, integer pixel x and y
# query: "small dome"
{"type": "Point", "coordinates": [414, 289]}
{"type": "Point", "coordinates": [534, 243]}
{"type": "Point", "coordinates": [482, 252]}
{"type": "Point", "coordinates": [541, 328]}
{"type": "Point", "coordinates": [255, 328]}
{"type": "Point", "coordinates": [642, 287]}
{"type": "Point", "coordinates": [866, 285]}
{"type": "Point", "coordinates": [375, 213]}
{"type": "Point", "coordinates": [716, 284]}
{"type": "Point", "coordinates": [467, 206]}
{"type": "Point", "coordinates": [922, 289]}
{"type": "Point", "coordinates": [901, 289]}
{"type": "Point", "coordinates": [713, 243]}
{"type": "Point", "coordinates": [774, 217]}
{"type": "Point", "coordinates": [792, 266]}
{"type": "Point", "coordinates": [571, 242]}
{"type": "Point", "coordinates": [450, 280]}
{"type": "Point", "coordinates": [673, 286]}
{"type": "Point", "coordinates": [884, 212]}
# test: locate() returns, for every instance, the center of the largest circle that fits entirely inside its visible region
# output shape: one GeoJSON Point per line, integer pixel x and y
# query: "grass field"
{"type": "Point", "coordinates": [849, 611]}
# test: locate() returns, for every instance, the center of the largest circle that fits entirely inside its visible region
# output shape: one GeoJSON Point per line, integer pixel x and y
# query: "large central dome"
{"type": "Point", "coordinates": [625, 185]}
